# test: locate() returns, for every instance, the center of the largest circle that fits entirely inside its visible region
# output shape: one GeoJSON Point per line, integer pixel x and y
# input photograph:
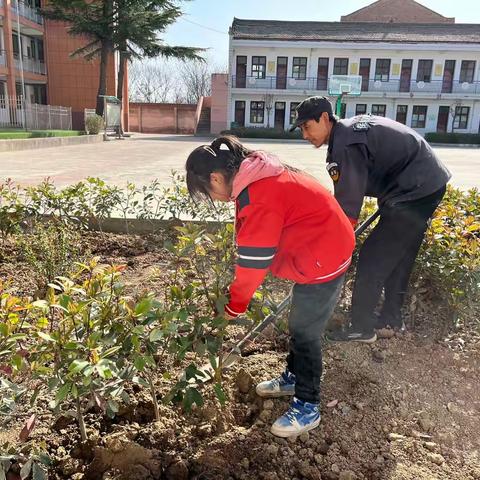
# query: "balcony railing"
{"type": "Point", "coordinates": [27, 11]}
{"type": "Point", "coordinates": [391, 86]}
{"type": "Point", "coordinates": [31, 65]}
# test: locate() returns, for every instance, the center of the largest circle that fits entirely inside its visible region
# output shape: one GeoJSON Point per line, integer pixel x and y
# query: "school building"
{"type": "Point", "coordinates": [417, 67]}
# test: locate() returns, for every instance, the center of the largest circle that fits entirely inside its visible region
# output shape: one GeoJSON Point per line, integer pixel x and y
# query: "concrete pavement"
{"type": "Point", "coordinates": [143, 158]}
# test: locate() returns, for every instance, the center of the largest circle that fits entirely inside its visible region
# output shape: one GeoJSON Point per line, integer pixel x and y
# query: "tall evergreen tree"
{"type": "Point", "coordinates": [130, 27]}
{"type": "Point", "coordinates": [140, 22]}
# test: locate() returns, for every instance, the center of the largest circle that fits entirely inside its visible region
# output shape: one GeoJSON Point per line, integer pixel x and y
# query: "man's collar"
{"type": "Point", "coordinates": [332, 134]}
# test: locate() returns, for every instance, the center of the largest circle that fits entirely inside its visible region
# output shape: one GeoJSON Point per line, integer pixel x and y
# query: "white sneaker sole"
{"type": "Point", "coordinates": [265, 394]}
{"type": "Point", "coordinates": [284, 434]}
{"type": "Point", "coordinates": [368, 340]}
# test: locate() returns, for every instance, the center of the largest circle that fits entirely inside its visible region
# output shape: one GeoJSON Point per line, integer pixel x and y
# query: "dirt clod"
{"type": "Point", "coordinates": [435, 458]}
{"type": "Point", "coordinates": [347, 475]}
{"type": "Point", "coordinates": [244, 381]}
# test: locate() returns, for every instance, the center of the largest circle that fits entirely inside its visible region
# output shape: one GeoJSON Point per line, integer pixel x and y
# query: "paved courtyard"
{"type": "Point", "coordinates": [143, 158]}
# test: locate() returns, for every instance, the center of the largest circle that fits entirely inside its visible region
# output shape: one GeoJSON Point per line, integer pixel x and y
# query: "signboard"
{"type": "Point", "coordinates": [112, 115]}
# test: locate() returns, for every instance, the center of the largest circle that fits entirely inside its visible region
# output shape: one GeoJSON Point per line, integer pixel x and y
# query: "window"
{"type": "Point", "coordinates": [16, 46]}
{"type": "Point", "coordinates": [361, 109]}
{"type": "Point", "coordinates": [322, 74]}
{"type": "Point", "coordinates": [379, 110]}
{"type": "Point", "coordinates": [240, 113]}
{"type": "Point", "coordinates": [259, 67]}
{"type": "Point", "coordinates": [402, 114]}
{"type": "Point", "coordinates": [467, 71]}
{"type": "Point", "coordinates": [343, 110]}
{"type": "Point", "coordinates": [419, 116]}
{"type": "Point", "coordinates": [424, 72]}
{"type": "Point", "coordinates": [241, 71]}
{"type": "Point", "coordinates": [39, 94]}
{"type": "Point", "coordinates": [293, 113]}
{"type": "Point", "coordinates": [257, 112]}
{"type": "Point", "coordinates": [340, 66]}
{"type": "Point", "coordinates": [364, 71]}
{"type": "Point", "coordinates": [382, 69]}
{"type": "Point", "coordinates": [461, 117]}
{"type": "Point", "coordinates": [41, 55]}
{"type": "Point", "coordinates": [299, 71]}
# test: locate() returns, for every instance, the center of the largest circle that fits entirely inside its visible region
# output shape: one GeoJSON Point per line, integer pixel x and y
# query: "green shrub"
{"type": "Point", "coordinates": [93, 124]}
{"type": "Point", "coordinates": [51, 250]}
{"type": "Point", "coordinates": [447, 267]}
{"type": "Point", "coordinates": [449, 260]}
{"type": "Point", "coordinates": [455, 138]}
{"type": "Point", "coordinates": [14, 211]}
{"type": "Point", "coordinates": [261, 132]}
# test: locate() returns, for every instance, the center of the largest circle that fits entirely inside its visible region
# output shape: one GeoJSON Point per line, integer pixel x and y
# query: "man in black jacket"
{"type": "Point", "coordinates": [378, 157]}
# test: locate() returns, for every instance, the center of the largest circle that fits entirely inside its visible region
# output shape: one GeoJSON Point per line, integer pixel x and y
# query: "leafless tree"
{"type": "Point", "coordinates": [268, 99]}
{"type": "Point", "coordinates": [151, 81]}
{"type": "Point", "coordinates": [453, 112]}
{"type": "Point", "coordinates": [196, 79]}
{"type": "Point", "coordinates": [158, 80]}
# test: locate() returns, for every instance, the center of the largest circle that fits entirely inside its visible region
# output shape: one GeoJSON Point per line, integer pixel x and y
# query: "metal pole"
{"type": "Point", "coordinates": [338, 108]}
{"type": "Point", "coordinates": [105, 116]}
{"type": "Point", "coordinates": [20, 47]}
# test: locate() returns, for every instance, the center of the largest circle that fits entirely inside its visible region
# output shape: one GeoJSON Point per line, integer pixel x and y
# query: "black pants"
{"type": "Point", "coordinates": [312, 307]}
{"type": "Point", "coordinates": [387, 258]}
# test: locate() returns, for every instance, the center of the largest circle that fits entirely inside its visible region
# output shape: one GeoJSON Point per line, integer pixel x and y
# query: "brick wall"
{"type": "Point", "coordinates": [162, 118]}
{"type": "Point", "coordinates": [219, 101]}
{"type": "Point", "coordinates": [397, 11]}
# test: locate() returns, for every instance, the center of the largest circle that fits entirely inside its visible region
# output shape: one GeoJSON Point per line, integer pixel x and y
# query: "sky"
{"type": "Point", "coordinates": [206, 22]}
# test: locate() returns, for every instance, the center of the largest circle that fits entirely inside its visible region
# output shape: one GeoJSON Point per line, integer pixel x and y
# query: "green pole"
{"type": "Point", "coordinates": [338, 106]}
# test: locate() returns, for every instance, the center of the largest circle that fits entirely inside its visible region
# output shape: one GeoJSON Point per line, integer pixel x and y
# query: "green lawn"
{"type": "Point", "coordinates": [13, 134]}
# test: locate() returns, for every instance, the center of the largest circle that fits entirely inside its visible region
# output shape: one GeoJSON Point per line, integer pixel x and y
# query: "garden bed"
{"type": "Point", "coordinates": [407, 407]}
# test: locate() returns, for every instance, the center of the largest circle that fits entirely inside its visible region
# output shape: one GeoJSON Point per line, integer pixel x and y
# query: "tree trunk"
{"type": "Point", "coordinates": [81, 421]}
{"type": "Point", "coordinates": [107, 49]}
{"type": "Point", "coordinates": [102, 85]}
{"type": "Point", "coordinates": [121, 80]}
{"type": "Point", "coordinates": [121, 74]}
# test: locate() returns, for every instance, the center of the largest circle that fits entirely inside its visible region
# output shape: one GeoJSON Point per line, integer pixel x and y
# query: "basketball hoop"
{"type": "Point", "coordinates": [341, 85]}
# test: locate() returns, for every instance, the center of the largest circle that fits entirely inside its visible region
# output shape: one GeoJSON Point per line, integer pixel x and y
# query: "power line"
{"type": "Point", "coordinates": [203, 26]}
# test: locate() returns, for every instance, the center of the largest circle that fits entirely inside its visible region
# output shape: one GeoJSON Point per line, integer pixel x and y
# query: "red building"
{"type": "Point", "coordinates": [41, 49]}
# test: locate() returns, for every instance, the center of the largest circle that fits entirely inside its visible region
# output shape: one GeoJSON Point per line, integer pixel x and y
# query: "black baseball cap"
{"type": "Point", "coordinates": [311, 107]}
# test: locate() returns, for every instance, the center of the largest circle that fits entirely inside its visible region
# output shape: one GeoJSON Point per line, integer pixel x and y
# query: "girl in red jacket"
{"type": "Point", "coordinates": [286, 223]}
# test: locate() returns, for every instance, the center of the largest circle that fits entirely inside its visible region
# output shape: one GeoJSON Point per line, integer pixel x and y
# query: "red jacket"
{"type": "Point", "coordinates": [286, 222]}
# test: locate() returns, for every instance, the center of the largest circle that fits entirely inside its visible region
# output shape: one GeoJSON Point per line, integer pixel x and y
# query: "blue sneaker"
{"type": "Point", "coordinates": [278, 387]}
{"type": "Point", "coordinates": [299, 418]}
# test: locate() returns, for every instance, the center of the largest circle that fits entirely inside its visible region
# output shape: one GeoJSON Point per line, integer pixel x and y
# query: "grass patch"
{"type": "Point", "coordinates": [22, 134]}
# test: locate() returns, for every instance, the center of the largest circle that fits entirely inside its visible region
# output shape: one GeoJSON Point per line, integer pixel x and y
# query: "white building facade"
{"type": "Point", "coordinates": [425, 76]}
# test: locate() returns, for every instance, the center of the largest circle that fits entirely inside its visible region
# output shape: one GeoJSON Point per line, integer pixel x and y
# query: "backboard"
{"type": "Point", "coordinates": [345, 85]}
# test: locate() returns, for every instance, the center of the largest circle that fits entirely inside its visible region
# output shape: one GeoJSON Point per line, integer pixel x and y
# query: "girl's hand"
{"type": "Point", "coordinates": [226, 316]}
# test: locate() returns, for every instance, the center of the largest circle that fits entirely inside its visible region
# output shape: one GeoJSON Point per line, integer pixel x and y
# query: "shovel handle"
{"type": "Point", "coordinates": [367, 223]}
